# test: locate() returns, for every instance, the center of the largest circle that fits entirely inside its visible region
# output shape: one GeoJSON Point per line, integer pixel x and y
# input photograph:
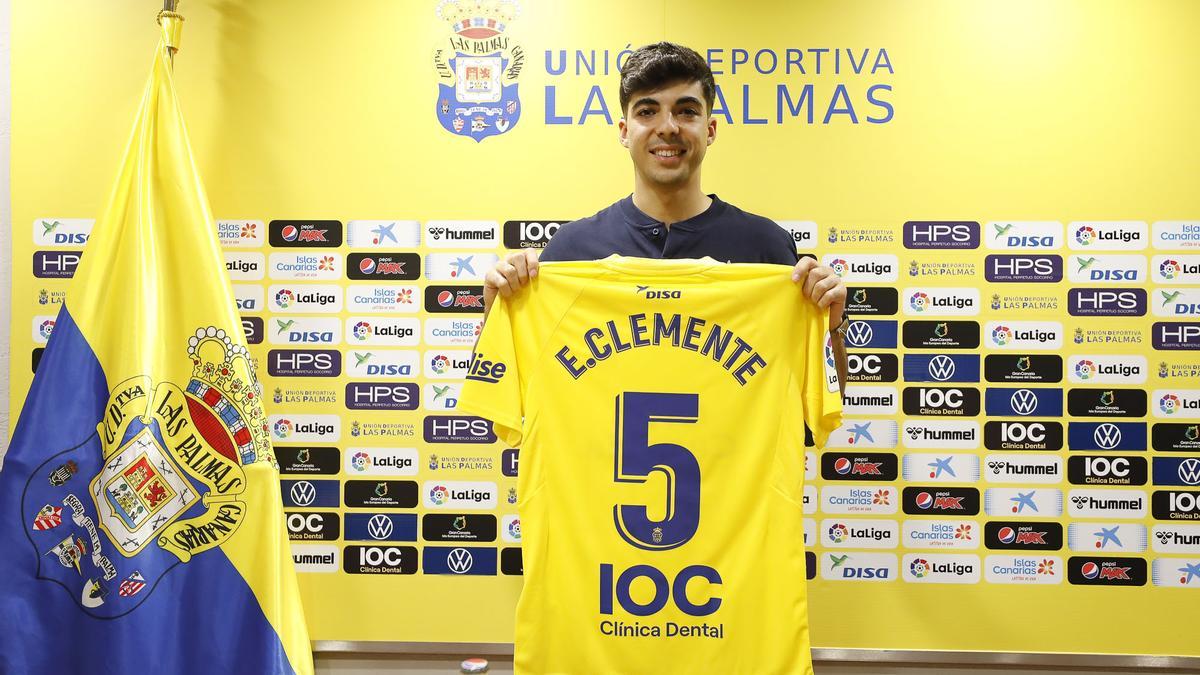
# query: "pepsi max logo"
{"type": "Point", "coordinates": [383, 266]}
{"type": "Point", "coordinates": [872, 466]}
{"type": "Point", "coordinates": [454, 299]}
{"type": "Point", "coordinates": [1092, 571]}
{"type": "Point", "coordinates": [1009, 535]}
{"type": "Point", "coordinates": [928, 500]}
{"type": "Point", "coordinates": [305, 233]}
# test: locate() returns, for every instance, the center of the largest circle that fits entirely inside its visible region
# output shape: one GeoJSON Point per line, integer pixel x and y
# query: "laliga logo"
{"type": "Point", "coordinates": [284, 298]}
{"type": "Point", "coordinates": [46, 328]}
{"type": "Point", "coordinates": [919, 568]}
{"type": "Point", "coordinates": [1085, 369]}
{"type": "Point", "coordinates": [439, 494]}
{"type": "Point", "coordinates": [1001, 335]}
{"type": "Point", "coordinates": [283, 428]}
{"type": "Point", "coordinates": [919, 301]}
{"type": "Point", "coordinates": [440, 364]}
{"type": "Point", "coordinates": [362, 330]}
{"type": "Point", "coordinates": [359, 461]}
{"type": "Point", "coordinates": [838, 533]}
{"type": "Point", "coordinates": [1170, 269]}
{"type": "Point", "coordinates": [839, 266]}
{"type": "Point", "coordinates": [1169, 404]}
{"type": "Point", "coordinates": [514, 529]}
{"type": "Point", "coordinates": [1085, 235]}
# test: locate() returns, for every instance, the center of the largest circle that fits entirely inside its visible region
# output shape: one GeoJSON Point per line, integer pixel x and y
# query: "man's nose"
{"type": "Point", "coordinates": [668, 125]}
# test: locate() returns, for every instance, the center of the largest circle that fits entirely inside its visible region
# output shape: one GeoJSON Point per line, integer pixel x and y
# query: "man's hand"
{"type": "Point", "coordinates": [509, 276]}
{"type": "Point", "coordinates": [822, 286]}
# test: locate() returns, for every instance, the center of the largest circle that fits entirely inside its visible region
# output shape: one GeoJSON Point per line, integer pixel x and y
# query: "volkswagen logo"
{"type": "Point", "coordinates": [941, 367]}
{"type": "Point", "coordinates": [1189, 471]}
{"type": "Point", "coordinates": [1023, 402]}
{"type": "Point", "coordinates": [459, 561]}
{"type": "Point", "coordinates": [859, 333]}
{"type": "Point", "coordinates": [379, 527]}
{"type": "Point", "coordinates": [303, 493]}
{"type": "Point", "coordinates": [1107, 436]}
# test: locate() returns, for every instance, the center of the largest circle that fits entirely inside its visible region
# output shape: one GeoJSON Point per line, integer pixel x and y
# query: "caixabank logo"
{"type": "Point", "coordinates": [530, 233]}
{"type": "Point", "coordinates": [1107, 538]}
{"type": "Point", "coordinates": [872, 300]}
{"type": "Point", "coordinates": [305, 233]}
{"type": "Point", "coordinates": [381, 266]}
{"type": "Point", "coordinates": [941, 234]}
{"type": "Point", "coordinates": [381, 527]}
{"type": "Point", "coordinates": [941, 401]}
{"type": "Point", "coordinates": [941, 334]}
{"type": "Point", "coordinates": [1010, 268]}
{"type": "Point", "coordinates": [952, 501]}
{"type": "Point", "coordinates": [865, 434]}
{"type": "Point", "coordinates": [1038, 235]}
{"type": "Point", "coordinates": [1024, 502]}
{"type": "Point", "coordinates": [1031, 368]}
{"type": "Point", "coordinates": [1112, 571]}
{"type": "Point", "coordinates": [941, 468]}
{"type": "Point", "coordinates": [1022, 435]}
{"type": "Point", "coordinates": [383, 233]}
{"type": "Point", "coordinates": [872, 466]}
{"type": "Point", "coordinates": [1176, 572]}
{"type": "Point", "coordinates": [1011, 535]}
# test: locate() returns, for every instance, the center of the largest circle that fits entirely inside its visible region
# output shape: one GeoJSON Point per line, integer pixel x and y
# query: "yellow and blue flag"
{"type": "Point", "coordinates": [140, 518]}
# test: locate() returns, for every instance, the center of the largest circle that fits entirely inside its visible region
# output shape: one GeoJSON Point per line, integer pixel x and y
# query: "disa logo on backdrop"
{"type": "Point", "coordinates": [477, 92]}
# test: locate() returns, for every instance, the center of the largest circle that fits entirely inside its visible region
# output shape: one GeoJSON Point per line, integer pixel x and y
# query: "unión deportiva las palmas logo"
{"type": "Point", "coordinates": [478, 69]}
{"type": "Point", "coordinates": [158, 483]}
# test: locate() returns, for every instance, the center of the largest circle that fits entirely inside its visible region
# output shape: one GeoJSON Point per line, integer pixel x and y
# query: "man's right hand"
{"type": "Point", "coordinates": [509, 276]}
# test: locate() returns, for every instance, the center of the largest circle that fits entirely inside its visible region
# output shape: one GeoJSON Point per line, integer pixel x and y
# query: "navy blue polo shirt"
{"type": "Point", "coordinates": [723, 232]}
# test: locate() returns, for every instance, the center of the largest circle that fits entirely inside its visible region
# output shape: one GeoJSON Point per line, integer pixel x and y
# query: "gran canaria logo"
{"type": "Point", "coordinates": [478, 70]}
{"type": "Point", "coordinates": [159, 483]}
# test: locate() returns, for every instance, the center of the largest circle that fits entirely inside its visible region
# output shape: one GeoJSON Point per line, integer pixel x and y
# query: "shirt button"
{"type": "Point", "coordinates": [654, 232]}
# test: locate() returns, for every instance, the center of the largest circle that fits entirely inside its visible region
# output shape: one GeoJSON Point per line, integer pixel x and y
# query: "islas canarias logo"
{"type": "Point", "coordinates": [158, 483]}
{"type": "Point", "coordinates": [478, 70]}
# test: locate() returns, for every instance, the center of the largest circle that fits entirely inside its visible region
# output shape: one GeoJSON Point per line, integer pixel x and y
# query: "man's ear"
{"type": "Point", "coordinates": [712, 130]}
{"type": "Point", "coordinates": [623, 132]}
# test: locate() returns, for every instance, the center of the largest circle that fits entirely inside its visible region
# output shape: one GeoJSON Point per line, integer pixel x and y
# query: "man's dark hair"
{"type": "Point", "coordinates": [663, 63]}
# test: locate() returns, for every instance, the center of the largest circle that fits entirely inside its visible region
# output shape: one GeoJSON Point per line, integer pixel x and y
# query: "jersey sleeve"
{"type": "Point", "coordinates": [819, 385]}
{"type": "Point", "coordinates": [494, 388]}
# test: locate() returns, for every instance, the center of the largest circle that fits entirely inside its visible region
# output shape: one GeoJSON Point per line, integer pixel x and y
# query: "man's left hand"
{"type": "Point", "coordinates": [821, 285]}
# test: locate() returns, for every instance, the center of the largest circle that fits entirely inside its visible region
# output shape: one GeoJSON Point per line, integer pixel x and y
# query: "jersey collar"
{"type": "Point", "coordinates": [639, 220]}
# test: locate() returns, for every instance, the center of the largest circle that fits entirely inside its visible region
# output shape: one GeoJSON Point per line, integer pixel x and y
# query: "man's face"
{"type": "Point", "coordinates": [667, 132]}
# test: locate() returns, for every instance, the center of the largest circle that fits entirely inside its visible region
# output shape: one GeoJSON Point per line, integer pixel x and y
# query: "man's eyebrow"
{"type": "Point", "coordinates": [687, 99]}
{"type": "Point", "coordinates": [645, 100]}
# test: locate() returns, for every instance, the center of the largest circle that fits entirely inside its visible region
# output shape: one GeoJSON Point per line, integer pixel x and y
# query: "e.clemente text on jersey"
{"type": "Point", "coordinates": [691, 333]}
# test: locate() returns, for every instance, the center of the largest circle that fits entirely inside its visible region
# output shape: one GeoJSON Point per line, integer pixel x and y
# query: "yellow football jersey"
{"type": "Point", "coordinates": [659, 406]}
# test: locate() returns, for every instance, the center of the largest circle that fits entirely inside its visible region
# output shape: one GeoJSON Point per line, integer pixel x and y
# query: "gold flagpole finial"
{"type": "Point", "coordinates": [171, 22]}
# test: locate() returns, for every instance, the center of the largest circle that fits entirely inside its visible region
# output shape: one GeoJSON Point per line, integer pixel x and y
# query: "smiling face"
{"type": "Point", "coordinates": [667, 132]}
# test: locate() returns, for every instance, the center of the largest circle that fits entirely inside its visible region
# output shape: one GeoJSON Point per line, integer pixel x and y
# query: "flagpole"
{"type": "Point", "coordinates": [171, 22]}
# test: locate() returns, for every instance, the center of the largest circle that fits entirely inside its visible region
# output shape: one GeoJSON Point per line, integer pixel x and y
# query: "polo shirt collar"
{"type": "Point", "coordinates": [641, 221]}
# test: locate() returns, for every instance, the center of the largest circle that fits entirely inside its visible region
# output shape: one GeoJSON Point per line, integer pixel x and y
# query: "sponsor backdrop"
{"type": "Point", "coordinates": [1003, 193]}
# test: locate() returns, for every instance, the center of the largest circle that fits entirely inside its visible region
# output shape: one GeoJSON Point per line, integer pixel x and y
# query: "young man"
{"type": "Point", "coordinates": [667, 93]}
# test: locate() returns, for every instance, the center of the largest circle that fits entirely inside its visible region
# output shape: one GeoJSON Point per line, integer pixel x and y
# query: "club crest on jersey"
{"type": "Point", "coordinates": [159, 482]}
{"type": "Point", "coordinates": [478, 69]}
